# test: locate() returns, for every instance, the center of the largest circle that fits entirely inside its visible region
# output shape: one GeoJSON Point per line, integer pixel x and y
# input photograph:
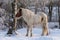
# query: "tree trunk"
{"type": "Point", "coordinates": [36, 6]}
{"type": "Point", "coordinates": [1, 4]}
{"type": "Point", "coordinates": [59, 15]}
{"type": "Point", "coordinates": [50, 13]}
{"type": "Point", "coordinates": [14, 11]}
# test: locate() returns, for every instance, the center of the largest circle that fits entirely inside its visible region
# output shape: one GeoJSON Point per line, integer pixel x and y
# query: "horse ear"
{"type": "Point", "coordinates": [20, 10]}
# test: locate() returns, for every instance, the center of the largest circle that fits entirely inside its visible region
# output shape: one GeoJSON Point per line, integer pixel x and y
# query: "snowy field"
{"type": "Point", "coordinates": [54, 34]}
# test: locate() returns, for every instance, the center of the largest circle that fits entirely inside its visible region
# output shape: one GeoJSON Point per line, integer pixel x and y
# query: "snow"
{"type": "Point", "coordinates": [53, 24]}
{"type": "Point", "coordinates": [54, 34]}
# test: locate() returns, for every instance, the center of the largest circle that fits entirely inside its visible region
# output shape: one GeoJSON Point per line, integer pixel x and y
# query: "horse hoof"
{"type": "Point", "coordinates": [31, 35]}
{"type": "Point", "coordinates": [41, 34]}
{"type": "Point", "coordinates": [26, 34]}
{"type": "Point", "coordinates": [47, 34]}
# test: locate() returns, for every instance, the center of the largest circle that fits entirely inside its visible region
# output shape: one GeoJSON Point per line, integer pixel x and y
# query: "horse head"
{"type": "Point", "coordinates": [19, 13]}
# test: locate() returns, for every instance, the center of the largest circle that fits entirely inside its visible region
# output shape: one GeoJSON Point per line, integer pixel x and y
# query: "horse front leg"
{"type": "Point", "coordinates": [29, 31]}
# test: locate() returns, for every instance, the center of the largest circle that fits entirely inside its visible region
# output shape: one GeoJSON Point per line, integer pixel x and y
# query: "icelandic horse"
{"type": "Point", "coordinates": [31, 19]}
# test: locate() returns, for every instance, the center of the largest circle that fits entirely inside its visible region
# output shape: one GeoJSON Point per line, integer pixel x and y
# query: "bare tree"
{"type": "Point", "coordinates": [36, 7]}
{"type": "Point", "coordinates": [50, 10]}
{"type": "Point", "coordinates": [14, 11]}
{"type": "Point", "coordinates": [43, 4]}
{"type": "Point", "coordinates": [1, 4]}
{"type": "Point", "coordinates": [59, 12]}
{"type": "Point", "coordinates": [23, 3]}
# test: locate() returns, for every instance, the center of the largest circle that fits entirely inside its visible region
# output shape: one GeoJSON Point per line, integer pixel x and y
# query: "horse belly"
{"type": "Point", "coordinates": [37, 20]}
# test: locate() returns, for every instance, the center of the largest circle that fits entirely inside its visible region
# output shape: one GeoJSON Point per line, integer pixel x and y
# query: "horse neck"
{"type": "Point", "coordinates": [24, 12]}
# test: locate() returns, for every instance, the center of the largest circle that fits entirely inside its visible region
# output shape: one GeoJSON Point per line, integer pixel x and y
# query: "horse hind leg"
{"type": "Point", "coordinates": [45, 31]}
{"type": "Point", "coordinates": [45, 28]}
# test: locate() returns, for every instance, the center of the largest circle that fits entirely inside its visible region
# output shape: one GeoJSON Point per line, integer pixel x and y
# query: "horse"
{"type": "Point", "coordinates": [32, 19]}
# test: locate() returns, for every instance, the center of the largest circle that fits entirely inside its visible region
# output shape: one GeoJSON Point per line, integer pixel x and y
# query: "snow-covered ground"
{"type": "Point", "coordinates": [54, 34]}
{"type": "Point", "coordinates": [53, 24]}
